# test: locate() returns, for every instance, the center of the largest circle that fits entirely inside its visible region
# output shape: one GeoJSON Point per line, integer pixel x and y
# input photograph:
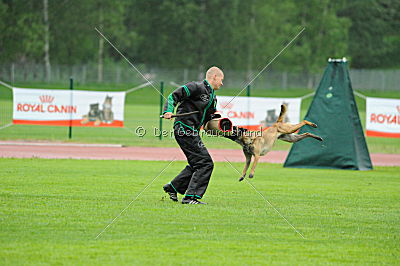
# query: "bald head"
{"type": "Point", "coordinates": [213, 71]}
{"type": "Point", "coordinates": [214, 76]}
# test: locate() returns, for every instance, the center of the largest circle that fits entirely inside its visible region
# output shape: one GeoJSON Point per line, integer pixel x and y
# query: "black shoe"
{"type": "Point", "coordinates": [191, 201]}
{"type": "Point", "coordinates": [171, 192]}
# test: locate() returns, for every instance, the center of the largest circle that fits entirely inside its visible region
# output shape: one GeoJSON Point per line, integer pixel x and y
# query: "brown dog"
{"type": "Point", "coordinates": [260, 144]}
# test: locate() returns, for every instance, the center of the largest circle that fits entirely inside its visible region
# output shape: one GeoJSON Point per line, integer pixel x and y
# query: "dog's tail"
{"type": "Point", "coordinates": [283, 113]}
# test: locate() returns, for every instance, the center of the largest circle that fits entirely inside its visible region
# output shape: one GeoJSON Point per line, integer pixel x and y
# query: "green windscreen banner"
{"type": "Point", "coordinates": [334, 110]}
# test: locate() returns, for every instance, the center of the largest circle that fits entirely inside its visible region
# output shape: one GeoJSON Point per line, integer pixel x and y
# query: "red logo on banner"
{"type": "Point", "coordinates": [233, 114]}
{"type": "Point", "coordinates": [46, 98]}
{"type": "Point", "coordinates": [226, 105]}
{"type": "Point", "coordinates": [385, 118]}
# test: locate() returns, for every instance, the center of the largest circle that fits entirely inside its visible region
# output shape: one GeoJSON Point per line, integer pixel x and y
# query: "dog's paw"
{"type": "Point", "coordinates": [251, 176]}
{"type": "Point", "coordinates": [314, 136]}
{"type": "Point", "coordinates": [241, 178]}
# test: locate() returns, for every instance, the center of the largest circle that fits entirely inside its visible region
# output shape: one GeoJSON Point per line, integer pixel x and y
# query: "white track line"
{"type": "Point", "coordinates": [12, 143]}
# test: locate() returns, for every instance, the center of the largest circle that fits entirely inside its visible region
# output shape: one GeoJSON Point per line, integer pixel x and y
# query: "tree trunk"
{"type": "Point", "coordinates": [46, 40]}
{"type": "Point", "coordinates": [250, 43]}
{"type": "Point", "coordinates": [101, 51]}
{"type": "Point", "coordinates": [310, 80]}
{"type": "Point", "coordinates": [100, 63]}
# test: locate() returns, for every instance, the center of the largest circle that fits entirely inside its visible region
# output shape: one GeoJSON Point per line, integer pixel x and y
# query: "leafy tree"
{"type": "Point", "coordinates": [196, 34]}
{"type": "Point", "coordinates": [22, 36]}
{"type": "Point", "coordinates": [374, 33]}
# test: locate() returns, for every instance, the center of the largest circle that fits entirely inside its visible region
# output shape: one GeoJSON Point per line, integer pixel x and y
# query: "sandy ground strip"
{"type": "Point", "coordinates": [9, 149]}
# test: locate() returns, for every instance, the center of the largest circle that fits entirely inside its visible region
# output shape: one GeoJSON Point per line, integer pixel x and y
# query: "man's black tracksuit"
{"type": "Point", "coordinates": [193, 96]}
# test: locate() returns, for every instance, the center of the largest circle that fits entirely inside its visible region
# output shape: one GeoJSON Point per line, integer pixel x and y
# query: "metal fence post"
{"type": "Point", "coordinates": [71, 87]}
{"type": "Point", "coordinates": [284, 80]}
{"type": "Point", "coordinates": [248, 104]}
{"type": "Point", "coordinates": [161, 106]}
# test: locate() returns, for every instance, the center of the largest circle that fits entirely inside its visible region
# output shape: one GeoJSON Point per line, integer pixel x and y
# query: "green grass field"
{"type": "Point", "coordinates": [142, 109]}
{"type": "Point", "coordinates": [52, 210]}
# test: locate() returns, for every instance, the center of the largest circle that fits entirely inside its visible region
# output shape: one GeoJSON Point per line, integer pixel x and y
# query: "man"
{"type": "Point", "coordinates": [193, 180]}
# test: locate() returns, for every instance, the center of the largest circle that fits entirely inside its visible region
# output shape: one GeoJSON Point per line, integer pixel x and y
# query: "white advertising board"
{"type": "Point", "coordinates": [256, 112]}
{"type": "Point", "coordinates": [383, 117]}
{"type": "Point", "coordinates": [68, 108]}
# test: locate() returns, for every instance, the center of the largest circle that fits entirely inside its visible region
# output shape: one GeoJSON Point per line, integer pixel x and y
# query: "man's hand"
{"type": "Point", "coordinates": [168, 115]}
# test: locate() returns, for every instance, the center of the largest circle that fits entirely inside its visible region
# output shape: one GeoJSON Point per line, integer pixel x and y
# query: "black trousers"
{"type": "Point", "coordinates": [194, 178]}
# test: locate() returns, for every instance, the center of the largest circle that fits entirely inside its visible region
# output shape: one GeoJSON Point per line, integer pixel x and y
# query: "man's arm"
{"type": "Point", "coordinates": [176, 97]}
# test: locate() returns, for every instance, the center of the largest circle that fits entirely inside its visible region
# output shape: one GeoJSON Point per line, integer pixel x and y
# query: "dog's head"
{"type": "Point", "coordinates": [94, 109]}
{"type": "Point", "coordinates": [107, 102]}
{"type": "Point", "coordinates": [244, 138]}
{"type": "Point", "coordinates": [239, 135]}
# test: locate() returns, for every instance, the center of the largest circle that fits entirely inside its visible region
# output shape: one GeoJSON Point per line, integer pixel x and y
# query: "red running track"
{"type": "Point", "coordinates": [94, 152]}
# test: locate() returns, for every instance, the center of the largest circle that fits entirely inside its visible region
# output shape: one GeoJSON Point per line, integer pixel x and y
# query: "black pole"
{"type": "Point", "coordinates": [71, 87]}
{"type": "Point", "coordinates": [161, 106]}
{"type": "Point", "coordinates": [248, 107]}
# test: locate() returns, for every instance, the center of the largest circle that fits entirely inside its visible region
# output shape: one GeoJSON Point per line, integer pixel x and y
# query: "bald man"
{"type": "Point", "coordinates": [193, 180]}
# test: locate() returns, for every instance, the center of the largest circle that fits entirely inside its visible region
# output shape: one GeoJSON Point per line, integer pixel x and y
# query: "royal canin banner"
{"type": "Point", "coordinates": [256, 112]}
{"type": "Point", "coordinates": [68, 108]}
{"type": "Point", "coordinates": [383, 117]}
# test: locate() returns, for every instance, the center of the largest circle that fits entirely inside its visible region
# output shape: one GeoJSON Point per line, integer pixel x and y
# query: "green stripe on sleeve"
{"type": "Point", "coordinates": [187, 90]}
{"type": "Point", "coordinates": [212, 96]}
{"type": "Point", "coordinates": [170, 107]}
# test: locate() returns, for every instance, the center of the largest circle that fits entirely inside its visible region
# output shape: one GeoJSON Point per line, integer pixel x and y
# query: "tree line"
{"type": "Point", "coordinates": [233, 34]}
